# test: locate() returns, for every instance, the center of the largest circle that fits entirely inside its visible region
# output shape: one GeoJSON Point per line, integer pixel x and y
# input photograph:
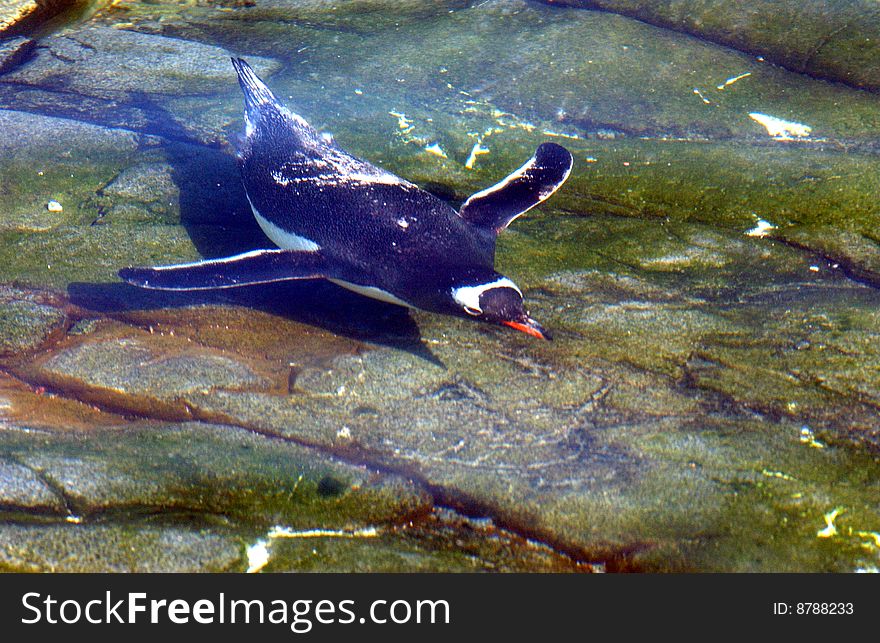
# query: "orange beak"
{"type": "Point", "coordinates": [530, 327]}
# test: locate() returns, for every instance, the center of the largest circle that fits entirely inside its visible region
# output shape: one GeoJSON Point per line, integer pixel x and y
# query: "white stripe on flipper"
{"type": "Point", "coordinates": [518, 174]}
{"type": "Point", "coordinates": [503, 184]}
{"type": "Point", "coordinates": [372, 292]}
{"type": "Point", "coordinates": [282, 238]}
{"type": "Point", "coordinates": [469, 296]}
{"type": "Point", "coordinates": [546, 195]}
{"type": "Point", "coordinates": [209, 262]}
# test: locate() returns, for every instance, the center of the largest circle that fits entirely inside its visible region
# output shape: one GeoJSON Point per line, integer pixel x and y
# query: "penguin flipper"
{"type": "Point", "coordinates": [496, 207]}
{"type": "Point", "coordinates": [255, 267]}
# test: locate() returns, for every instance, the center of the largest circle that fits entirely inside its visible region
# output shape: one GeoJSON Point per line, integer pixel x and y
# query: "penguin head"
{"type": "Point", "coordinates": [497, 300]}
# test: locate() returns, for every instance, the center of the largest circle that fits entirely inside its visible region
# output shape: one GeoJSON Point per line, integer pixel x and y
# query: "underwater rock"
{"type": "Point", "coordinates": [121, 78]}
{"type": "Point", "coordinates": [709, 399]}
{"type": "Point", "coordinates": [13, 51]}
{"type": "Point", "coordinates": [144, 183]}
{"type": "Point", "coordinates": [74, 499]}
{"type": "Point", "coordinates": [142, 193]}
{"type": "Point", "coordinates": [353, 15]}
{"type": "Point", "coordinates": [25, 325]}
{"type": "Point", "coordinates": [143, 548]}
{"type": "Point", "coordinates": [119, 190]}
{"type": "Point", "coordinates": [645, 144]}
{"type": "Point", "coordinates": [116, 64]}
{"type": "Point", "coordinates": [445, 543]}
{"type": "Point", "coordinates": [43, 158]}
{"type": "Point", "coordinates": [21, 489]}
{"type": "Point", "coordinates": [158, 367]}
{"type": "Point", "coordinates": [607, 443]}
{"type": "Point", "coordinates": [178, 183]}
{"type": "Point", "coordinates": [23, 16]}
{"type": "Point", "coordinates": [13, 12]}
{"type": "Point", "coordinates": [524, 71]}
{"type": "Point", "coordinates": [26, 321]}
{"type": "Point", "coordinates": [84, 253]}
{"type": "Point", "coordinates": [208, 471]}
{"type": "Point", "coordinates": [836, 41]}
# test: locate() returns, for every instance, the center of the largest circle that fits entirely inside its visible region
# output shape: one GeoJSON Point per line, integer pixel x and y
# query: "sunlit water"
{"type": "Point", "coordinates": [709, 272]}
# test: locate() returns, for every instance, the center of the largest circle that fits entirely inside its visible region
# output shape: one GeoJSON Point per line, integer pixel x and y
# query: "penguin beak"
{"type": "Point", "coordinates": [530, 327]}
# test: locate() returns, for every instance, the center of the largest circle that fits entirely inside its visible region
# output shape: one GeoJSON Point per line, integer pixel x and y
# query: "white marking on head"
{"type": "Point", "coordinates": [468, 297]}
{"type": "Point", "coordinates": [283, 238]}
{"type": "Point", "coordinates": [403, 223]}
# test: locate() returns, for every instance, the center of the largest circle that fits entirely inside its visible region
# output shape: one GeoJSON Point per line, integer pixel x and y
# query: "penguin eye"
{"type": "Point", "coordinates": [472, 311]}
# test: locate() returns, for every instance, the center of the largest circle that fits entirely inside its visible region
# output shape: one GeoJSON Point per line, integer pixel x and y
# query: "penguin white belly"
{"type": "Point", "coordinates": [291, 241]}
{"type": "Point", "coordinates": [372, 292]}
{"type": "Point", "coordinates": [282, 238]}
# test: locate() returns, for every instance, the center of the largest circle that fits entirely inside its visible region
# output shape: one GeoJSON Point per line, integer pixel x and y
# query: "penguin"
{"type": "Point", "coordinates": [337, 217]}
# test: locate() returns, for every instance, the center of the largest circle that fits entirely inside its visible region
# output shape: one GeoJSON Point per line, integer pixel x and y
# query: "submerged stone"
{"type": "Point", "coordinates": [27, 320]}
{"type": "Point", "coordinates": [709, 400]}
{"type": "Point", "coordinates": [606, 443]}
{"type": "Point", "coordinates": [44, 158]}
{"type": "Point", "coordinates": [212, 472]}
{"type": "Point", "coordinates": [837, 41]}
{"type": "Point", "coordinates": [444, 543]}
{"type": "Point", "coordinates": [24, 16]}
{"type": "Point", "coordinates": [117, 64]}
{"type": "Point", "coordinates": [22, 489]}
{"type": "Point", "coordinates": [116, 548]}
{"type": "Point", "coordinates": [13, 51]}
{"type": "Point", "coordinates": [216, 498]}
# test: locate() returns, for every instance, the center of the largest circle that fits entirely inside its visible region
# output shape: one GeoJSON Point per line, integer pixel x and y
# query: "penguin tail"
{"type": "Point", "coordinates": [256, 93]}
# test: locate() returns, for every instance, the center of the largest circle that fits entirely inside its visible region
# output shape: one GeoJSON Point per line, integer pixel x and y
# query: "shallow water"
{"type": "Point", "coordinates": [709, 271]}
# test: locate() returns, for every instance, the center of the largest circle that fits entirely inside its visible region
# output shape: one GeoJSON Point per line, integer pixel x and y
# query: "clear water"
{"type": "Point", "coordinates": [709, 272]}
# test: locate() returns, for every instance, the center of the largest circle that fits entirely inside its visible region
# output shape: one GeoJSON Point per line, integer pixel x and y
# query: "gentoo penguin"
{"type": "Point", "coordinates": [336, 217]}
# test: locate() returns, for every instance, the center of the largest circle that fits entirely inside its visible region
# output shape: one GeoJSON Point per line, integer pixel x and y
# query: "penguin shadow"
{"type": "Point", "coordinates": [216, 215]}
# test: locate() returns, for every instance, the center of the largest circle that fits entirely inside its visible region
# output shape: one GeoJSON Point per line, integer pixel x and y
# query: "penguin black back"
{"type": "Point", "coordinates": [338, 217]}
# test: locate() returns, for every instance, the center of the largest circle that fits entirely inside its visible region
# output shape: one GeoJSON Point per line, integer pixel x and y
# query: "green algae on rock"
{"type": "Point", "coordinates": [25, 16]}
{"type": "Point", "coordinates": [149, 496]}
{"type": "Point", "coordinates": [709, 403]}
{"type": "Point", "coordinates": [587, 444]}
{"type": "Point", "coordinates": [211, 471]}
{"type": "Point", "coordinates": [444, 543]}
{"type": "Point", "coordinates": [114, 63]}
{"type": "Point", "coordinates": [115, 548]}
{"type": "Point", "coordinates": [44, 158]}
{"type": "Point", "coordinates": [26, 321]}
{"type": "Point", "coordinates": [832, 40]}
